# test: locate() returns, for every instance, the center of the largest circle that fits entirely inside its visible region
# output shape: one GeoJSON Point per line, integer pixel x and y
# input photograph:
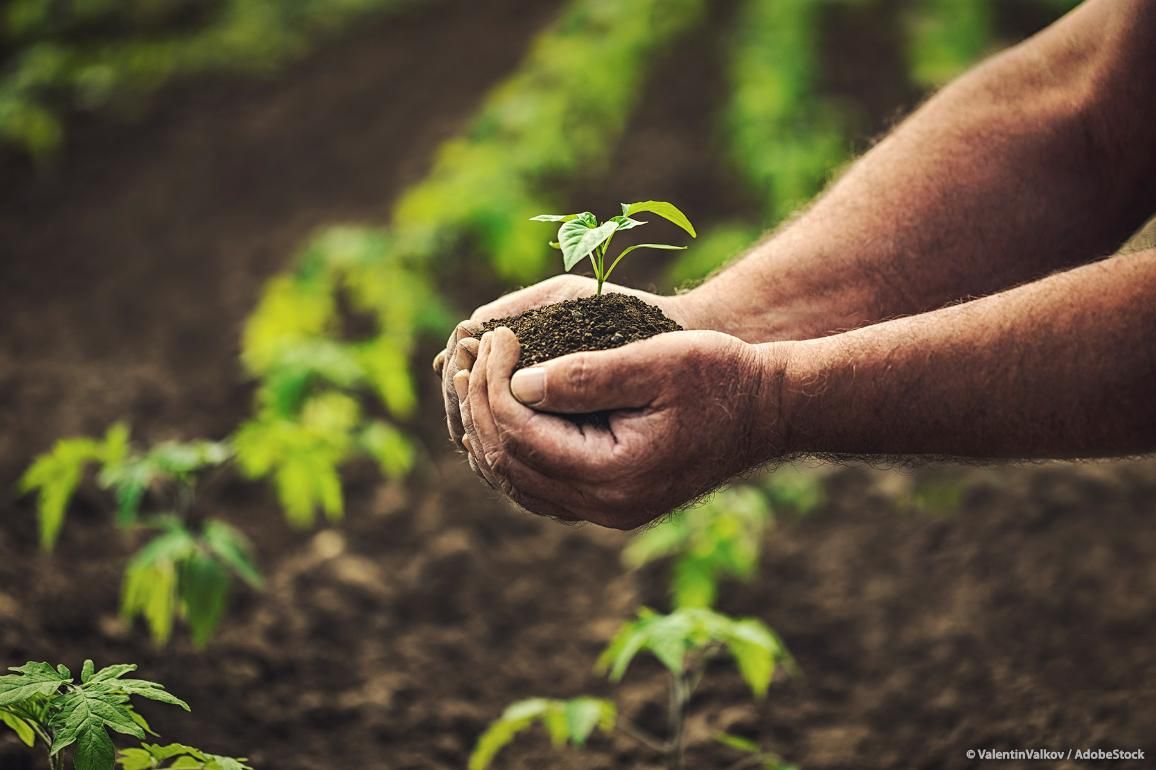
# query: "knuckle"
{"type": "Point", "coordinates": [578, 374]}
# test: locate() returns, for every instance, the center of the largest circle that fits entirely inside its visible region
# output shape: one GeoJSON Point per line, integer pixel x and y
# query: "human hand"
{"type": "Point", "coordinates": [684, 412]}
{"type": "Point", "coordinates": [462, 348]}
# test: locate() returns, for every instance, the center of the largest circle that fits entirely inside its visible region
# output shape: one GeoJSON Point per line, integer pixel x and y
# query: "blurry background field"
{"type": "Point", "coordinates": [256, 221]}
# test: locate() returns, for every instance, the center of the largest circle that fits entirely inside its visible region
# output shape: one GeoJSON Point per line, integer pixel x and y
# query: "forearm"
{"type": "Point", "coordinates": [1062, 367]}
{"type": "Point", "coordinates": [1038, 160]}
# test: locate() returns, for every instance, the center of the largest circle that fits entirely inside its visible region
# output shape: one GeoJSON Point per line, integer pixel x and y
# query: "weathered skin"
{"type": "Point", "coordinates": [1009, 186]}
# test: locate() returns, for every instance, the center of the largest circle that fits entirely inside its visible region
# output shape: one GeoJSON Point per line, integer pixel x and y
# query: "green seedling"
{"type": "Point", "coordinates": [46, 706]}
{"type": "Point", "coordinates": [723, 537]}
{"type": "Point", "coordinates": [684, 642]}
{"type": "Point", "coordinates": [189, 566]}
{"type": "Point", "coordinates": [582, 236]}
{"type": "Point", "coordinates": [706, 543]}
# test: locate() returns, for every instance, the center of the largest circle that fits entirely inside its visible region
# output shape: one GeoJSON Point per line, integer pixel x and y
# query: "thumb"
{"type": "Point", "coordinates": [579, 383]}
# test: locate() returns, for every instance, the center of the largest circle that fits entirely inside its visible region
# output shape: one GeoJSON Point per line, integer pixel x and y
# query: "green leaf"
{"type": "Point", "coordinates": [553, 217]}
{"type": "Point", "coordinates": [617, 656]}
{"type": "Point", "coordinates": [233, 549]}
{"type": "Point", "coordinates": [55, 476]}
{"type": "Point", "coordinates": [135, 759]}
{"type": "Point", "coordinates": [86, 671]}
{"type": "Point", "coordinates": [83, 717]}
{"type": "Point", "coordinates": [578, 239]}
{"type": "Point", "coordinates": [94, 749]}
{"type": "Point", "coordinates": [30, 680]}
{"type": "Point", "coordinates": [517, 717]}
{"type": "Point", "coordinates": [22, 728]}
{"type": "Point", "coordinates": [203, 587]}
{"type": "Point", "coordinates": [582, 716]}
{"type": "Point", "coordinates": [142, 688]}
{"type": "Point", "coordinates": [738, 742]}
{"type": "Point", "coordinates": [694, 583]}
{"type": "Point", "coordinates": [182, 757]}
{"type": "Point", "coordinates": [151, 581]}
{"type": "Point", "coordinates": [626, 223]}
{"type": "Point", "coordinates": [667, 211]}
{"type": "Point", "coordinates": [754, 649]}
{"type": "Point", "coordinates": [115, 671]}
{"type": "Point", "coordinates": [390, 447]}
{"type": "Point", "coordinates": [556, 724]}
{"type": "Point", "coordinates": [666, 538]}
{"type": "Point", "coordinates": [629, 249]}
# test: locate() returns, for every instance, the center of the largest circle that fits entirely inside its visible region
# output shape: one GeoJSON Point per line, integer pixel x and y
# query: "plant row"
{"type": "Point", "coordinates": [84, 55]}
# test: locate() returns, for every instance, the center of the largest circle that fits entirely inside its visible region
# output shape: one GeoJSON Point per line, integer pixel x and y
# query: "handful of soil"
{"type": "Point", "coordinates": [588, 323]}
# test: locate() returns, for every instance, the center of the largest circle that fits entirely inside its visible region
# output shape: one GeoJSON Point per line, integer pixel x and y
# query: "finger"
{"type": "Point", "coordinates": [439, 363]}
{"type": "Point", "coordinates": [466, 353]}
{"type": "Point", "coordinates": [460, 356]}
{"type": "Point", "coordinates": [476, 408]}
{"type": "Point", "coordinates": [474, 463]}
{"type": "Point", "coordinates": [461, 385]}
{"type": "Point", "coordinates": [629, 377]}
{"type": "Point", "coordinates": [552, 445]}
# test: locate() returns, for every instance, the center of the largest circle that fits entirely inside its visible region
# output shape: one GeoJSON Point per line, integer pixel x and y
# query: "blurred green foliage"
{"type": "Point", "coordinates": [83, 54]}
{"type": "Point", "coordinates": [945, 37]}
{"type": "Point", "coordinates": [785, 137]}
{"type": "Point", "coordinates": [724, 536]}
{"type": "Point", "coordinates": [187, 570]}
{"type": "Point", "coordinates": [566, 721]}
{"type": "Point", "coordinates": [552, 120]}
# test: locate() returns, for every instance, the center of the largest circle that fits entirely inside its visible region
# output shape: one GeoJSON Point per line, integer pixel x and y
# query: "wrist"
{"type": "Point", "coordinates": [771, 433]}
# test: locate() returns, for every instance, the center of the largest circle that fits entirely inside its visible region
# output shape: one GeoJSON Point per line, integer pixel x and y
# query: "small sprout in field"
{"type": "Point", "coordinates": [567, 722]}
{"type": "Point", "coordinates": [683, 641]}
{"type": "Point", "coordinates": [46, 704]}
{"type": "Point", "coordinates": [755, 755]}
{"type": "Point", "coordinates": [720, 538]}
{"type": "Point", "coordinates": [188, 569]}
{"type": "Point", "coordinates": [582, 235]}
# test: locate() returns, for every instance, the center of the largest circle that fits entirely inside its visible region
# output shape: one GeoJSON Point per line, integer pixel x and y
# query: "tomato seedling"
{"type": "Point", "coordinates": [684, 642]}
{"type": "Point", "coordinates": [582, 235]}
{"type": "Point", "coordinates": [188, 568]}
{"type": "Point", "coordinates": [44, 703]}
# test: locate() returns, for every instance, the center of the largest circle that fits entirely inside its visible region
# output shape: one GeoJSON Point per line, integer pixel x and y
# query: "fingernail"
{"type": "Point", "coordinates": [529, 385]}
{"type": "Point", "coordinates": [462, 384]}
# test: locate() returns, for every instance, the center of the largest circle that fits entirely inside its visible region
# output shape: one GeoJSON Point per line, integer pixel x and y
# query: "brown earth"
{"type": "Point", "coordinates": [1024, 617]}
{"type": "Point", "coordinates": [587, 323]}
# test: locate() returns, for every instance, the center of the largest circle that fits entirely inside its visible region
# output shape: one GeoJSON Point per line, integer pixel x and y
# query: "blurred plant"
{"type": "Point", "coordinates": [945, 37]}
{"type": "Point", "coordinates": [40, 702]}
{"type": "Point", "coordinates": [721, 538]}
{"type": "Point", "coordinates": [85, 54]}
{"type": "Point", "coordinates": [684, 642]}
{"type": "Point", "coordinates": [308, 420]}
{"type": "Point", "coordinates": [187, 569]}
{"type": "Point", "coordinates": [552, 119]}
{"type": "Point", "coordinates": [786, 138]}
{"type": "Point", "coordinates": [581, 236]}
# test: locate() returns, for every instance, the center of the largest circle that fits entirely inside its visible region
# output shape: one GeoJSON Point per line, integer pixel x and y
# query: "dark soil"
{"type": "Point", "coordinates": [1023, 618]}
{"type": "Point", "coordinates": [588, 323]}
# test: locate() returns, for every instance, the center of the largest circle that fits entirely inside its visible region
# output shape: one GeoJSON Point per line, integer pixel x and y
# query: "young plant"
{"type": "Point", "coordinates": [706, 543]}
{"type": "Point", "coordinates": [44, 703]}
{"type": "Point", "coordinates": [582, 235]}
{"type": "Point", "coordinates": [723, 537]}
{"type": "Point", "coordinates": [684, 642]}
{"type": "Point", "coordinates": [188, 568]}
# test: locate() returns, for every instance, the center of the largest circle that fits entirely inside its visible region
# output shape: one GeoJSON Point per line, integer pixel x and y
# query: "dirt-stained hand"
{"type": "Point", "coordinates": [678, 414]}
{"type": "Point", "coordinates": [462, 348]}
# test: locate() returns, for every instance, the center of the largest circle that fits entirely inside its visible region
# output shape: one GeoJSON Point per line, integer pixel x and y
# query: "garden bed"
{"type": "Point", "coordinates": [1023, 619]}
